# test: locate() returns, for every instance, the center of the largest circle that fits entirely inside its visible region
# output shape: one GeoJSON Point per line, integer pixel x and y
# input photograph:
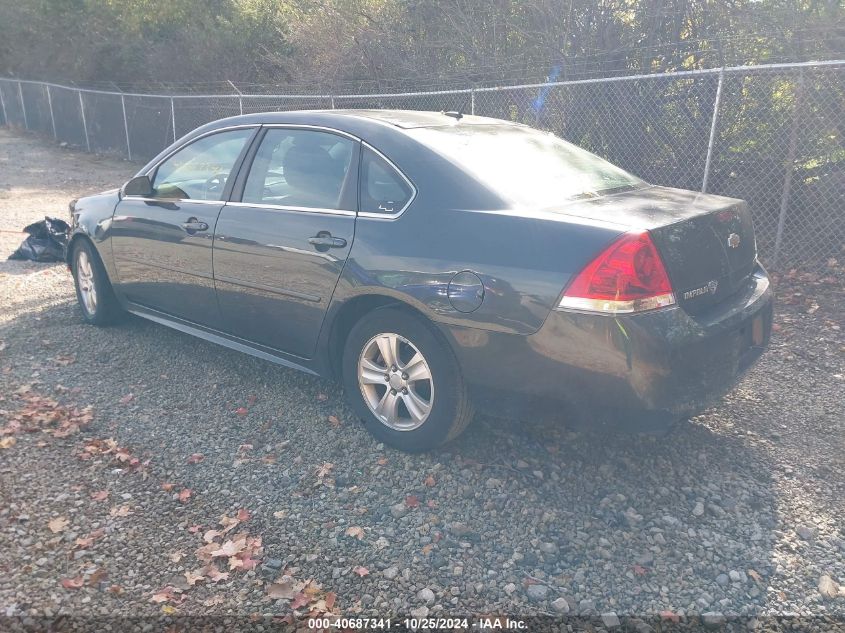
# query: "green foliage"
{"type": "Point", "coordinates": [402, 43]}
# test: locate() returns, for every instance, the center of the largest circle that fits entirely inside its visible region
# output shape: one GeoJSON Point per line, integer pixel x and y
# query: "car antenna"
{"type": "Point", "coordinates": [454, 114]}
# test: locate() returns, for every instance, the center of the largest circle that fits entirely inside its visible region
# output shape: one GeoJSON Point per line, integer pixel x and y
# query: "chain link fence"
{"type": "Point", "coordinates": [772, 135]}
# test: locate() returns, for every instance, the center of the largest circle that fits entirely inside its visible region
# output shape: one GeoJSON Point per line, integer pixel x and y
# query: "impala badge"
{"type": "Point", "coordinates": [697, 292]}
{"type": "Point", "coordinates": [734, 240]}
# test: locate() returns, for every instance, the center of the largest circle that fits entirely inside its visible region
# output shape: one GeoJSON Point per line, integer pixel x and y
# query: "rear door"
{"type": "Point", "coordinates": [282, 242]}
{"type": "Point", "coordinates": [162, 245]}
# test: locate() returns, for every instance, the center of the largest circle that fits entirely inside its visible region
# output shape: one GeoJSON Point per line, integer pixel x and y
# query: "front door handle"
{"type": "Point", "coordinates": [193, 225]}
{"type": "Point", "coordinates": [325, 241]}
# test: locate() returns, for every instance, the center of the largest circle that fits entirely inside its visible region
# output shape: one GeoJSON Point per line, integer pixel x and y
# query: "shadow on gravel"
{"type": "Point", "coordinates": [518, 514]}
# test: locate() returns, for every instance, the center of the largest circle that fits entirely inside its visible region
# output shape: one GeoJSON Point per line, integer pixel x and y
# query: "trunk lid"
{"type": "Point", "coordinates": [706, 241]}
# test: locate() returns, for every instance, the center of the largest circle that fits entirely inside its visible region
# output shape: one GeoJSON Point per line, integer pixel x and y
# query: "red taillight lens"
{"type": "Point", "coordinates": [628, 276]}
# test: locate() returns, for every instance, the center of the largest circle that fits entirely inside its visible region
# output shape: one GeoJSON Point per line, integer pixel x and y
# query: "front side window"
{"type": "Point", "coordinates": [383, 189]}
{"type": "Point", "coordinates": [300, 168]}
{"type": "Point", "coordinates": [200, 170]}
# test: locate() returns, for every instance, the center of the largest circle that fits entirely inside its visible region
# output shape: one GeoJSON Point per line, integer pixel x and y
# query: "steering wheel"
{"type": "Point", "coordinates": [215, 185]}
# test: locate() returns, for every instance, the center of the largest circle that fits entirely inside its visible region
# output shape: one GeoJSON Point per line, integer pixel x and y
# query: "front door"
{"type": "Point", "coordinates": [162, 245]}
{"type": "Point", "coordinates": [280, 246]}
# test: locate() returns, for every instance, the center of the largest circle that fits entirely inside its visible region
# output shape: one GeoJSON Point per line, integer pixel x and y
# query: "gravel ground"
{"type": "Point", "coordinates": [103, 511]}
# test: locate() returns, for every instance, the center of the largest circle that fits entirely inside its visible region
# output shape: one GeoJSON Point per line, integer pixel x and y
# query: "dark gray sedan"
{"type": "Point", "coordinates": [433, 263]}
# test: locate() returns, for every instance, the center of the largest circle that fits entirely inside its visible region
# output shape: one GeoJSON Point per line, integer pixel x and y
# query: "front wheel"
{"type": "Point", "coordinates": [93, 289]}
{"type": "Point", "coordinates": [404, 381]}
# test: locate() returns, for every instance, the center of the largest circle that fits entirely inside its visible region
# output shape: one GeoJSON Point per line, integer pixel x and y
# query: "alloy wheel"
{"type": "Point", "coordinates": [85, 281]}
{"type": "Point", "coordinates": [396, 381]}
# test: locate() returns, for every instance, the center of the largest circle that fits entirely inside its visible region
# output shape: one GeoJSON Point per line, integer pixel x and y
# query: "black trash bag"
{"type": "Point", "coordinates": [46, 242]}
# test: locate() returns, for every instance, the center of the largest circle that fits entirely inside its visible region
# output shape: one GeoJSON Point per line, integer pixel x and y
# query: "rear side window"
{"type": "Point", "coordinates": [383, 189]}
{"type": "Point", "coordinates": [300, 168]}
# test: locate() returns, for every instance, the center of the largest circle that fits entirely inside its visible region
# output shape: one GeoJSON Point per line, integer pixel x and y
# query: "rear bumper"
{"type": "Point", "coordinates": [642, 371]}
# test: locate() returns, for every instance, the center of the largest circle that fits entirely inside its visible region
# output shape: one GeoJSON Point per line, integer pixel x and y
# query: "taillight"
{"type": "Point", "coordinates": [628, 276]}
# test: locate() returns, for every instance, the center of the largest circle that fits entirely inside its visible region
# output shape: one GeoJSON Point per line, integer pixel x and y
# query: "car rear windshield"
{"type": "Point", "coordinates": [526, 166]}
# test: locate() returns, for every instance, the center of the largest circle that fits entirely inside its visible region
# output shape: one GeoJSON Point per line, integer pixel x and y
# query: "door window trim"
{"type": "Point", "coordinates": [236, 195]}
{"type": "Point", "coordinates": [236, 167]}
{"type": "Point", "coordinates": [383, 216]}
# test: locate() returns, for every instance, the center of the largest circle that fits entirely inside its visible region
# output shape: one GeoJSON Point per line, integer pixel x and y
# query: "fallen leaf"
{"type": "Point", "coordinates": [176, 556]}
{"type": "Point", "coordinates": [639, 570]}
{"type": "Point", "coordinates": [829, 588]}
{"type": "Point", "coordinates": [196, 458]}
{"type": "Point", "coordinates": [361, 571]}
{"type": "Point", "coordinates": [215, 575]}
{"type": "Point", "coordinates": [241, 411]}
{"type": "Point", "coordinates": [430, 481]}
{"type": "Point", "coordinates": [127, 398]}
{"type": "Point", "coordinates": [230, 548]}
{"type": "Point", "coordinates": [299, 600]}
{"type": "Point", "coordinates": [167, 609]}
{"type": "Point", "coordinates": [72, 583]}
{"type": "Point", "coordinates": [756, 576]}
{"type": "Point", "coordinates": [194, 529]}
{"type": "Point", "coordinates": [7, 442]}
{"type": "Point", "coordinates": [321, 397]}
{"type": "Point", "coordinates": [356, 532]}
{"type": "Point", "coordinates": [121, 511]}
{"type": "Point", "coordinates": [334, 421]}
{"type": "Point", "coordinates": [242, 515]}
{"type": "Point", "coordinates": [115, 589]}
{"type": "Point", "coordinates": [427, 549]}
{"type": "Point", "coordinates": [280, 514]}
{"type": "Point", "coordinates": [412, 502]}
{"type": "Point", "coordinates": [213, 601]}
{"type": "Point", "coordinates": [281, 590]}
{"type": "Point", "coordinates": [100, 495]}
{"type": "Point", "coordinates": [324, 470]}
{"type": "Point", "coordinates": [210, 535]}
{"type": "Point", "coordinates": [382, 461]}
{"type": "Point", "coordinates": [98, 576]}
{"type": "Point", "coordinates": [193, 577]}
{"type": "Point", "coordinates": [185, 494]}
{"type": "Point", "coordinates": [58, 524]}
{"type": "Point", "coordinates": [671, 616]}
{"type": "Point", "coordinates": [167, 486]}
{"type": "Point", "coordinates": [330, 599]}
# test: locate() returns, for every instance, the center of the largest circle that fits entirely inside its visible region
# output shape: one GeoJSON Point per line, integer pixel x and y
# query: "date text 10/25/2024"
{"type": "Point", "coordinates": [415, 624]}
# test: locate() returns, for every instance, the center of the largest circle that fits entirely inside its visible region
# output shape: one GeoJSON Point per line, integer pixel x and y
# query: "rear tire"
{"type": "Point", "coordinates": [403, 380]}
{"type": "Point", "coordinates": [94, 291]}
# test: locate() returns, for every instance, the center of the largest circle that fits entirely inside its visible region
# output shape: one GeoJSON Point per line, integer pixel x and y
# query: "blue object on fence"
{"type": "Point", "coordinates": [540, 101]}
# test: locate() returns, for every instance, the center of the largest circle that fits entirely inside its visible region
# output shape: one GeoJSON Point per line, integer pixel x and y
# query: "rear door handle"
{"type": "Point", "coordinates": [193, 225]}
{"type": "Point", "coordinates": [326, 241]}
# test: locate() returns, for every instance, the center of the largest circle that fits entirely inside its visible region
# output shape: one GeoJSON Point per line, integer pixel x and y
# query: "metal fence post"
{"type": "Point", "coordinates": [84, 122]}
{"type": "Point", "coordinates": [240, 96]}
{"type": "Point", "coordinates": [332, 98]}
{"type": "Point", "coordinates": [790, 166]}
{"type": "Point", "coordinates": [713, 125]}
{"type": "Point", "coordinates": [472, 101]}
{"type": "Point", "coordinates": [126, 127]}
{"type": "Point", "coordinates": [3, 106]}
{"type": "Point", "coordinates": [52, 118]}
{"type": "Point", "coordinates": [173, 118]}
{"type": "Point", "coordinates": [23, 105]}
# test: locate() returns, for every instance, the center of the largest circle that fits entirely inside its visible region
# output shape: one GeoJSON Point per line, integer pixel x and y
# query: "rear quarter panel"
{"type": "Point", "coordinates": [523, 261]}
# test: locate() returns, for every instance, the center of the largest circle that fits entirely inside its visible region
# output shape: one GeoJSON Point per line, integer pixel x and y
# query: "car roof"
{"type": "Point", "coordinates": [409, 119]}
{"type": "Point", "coordinates": [357, 121]}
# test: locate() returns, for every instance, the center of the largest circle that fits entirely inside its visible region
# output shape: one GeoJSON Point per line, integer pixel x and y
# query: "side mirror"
{"type": "Point", "coordinates": [139, 186]}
